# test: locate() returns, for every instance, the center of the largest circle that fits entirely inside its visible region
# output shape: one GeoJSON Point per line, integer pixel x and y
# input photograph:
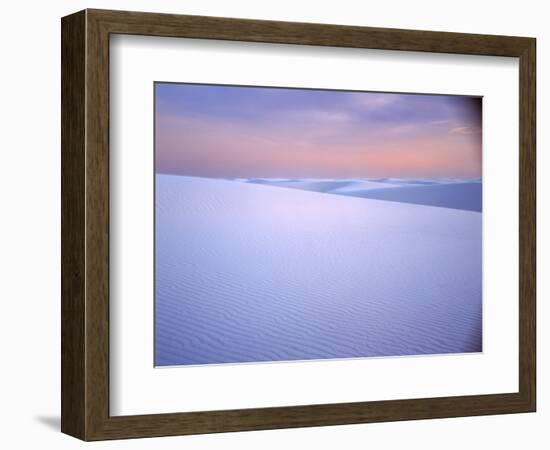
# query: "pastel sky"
{"type": "Point", "coordinates": [234, 132]}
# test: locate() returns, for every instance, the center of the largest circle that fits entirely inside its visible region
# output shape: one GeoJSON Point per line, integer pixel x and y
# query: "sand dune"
{"type": "Point", "coordinates": [250, 272]}
{"type": "Point", "coordinates": [317, 185]}
{"type": "Point", "coordinates": [465, 196]}
{"type": "Point", "coordinates": [448, 193]}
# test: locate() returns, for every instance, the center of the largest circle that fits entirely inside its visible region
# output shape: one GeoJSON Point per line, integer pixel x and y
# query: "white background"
{"type": "Point", "coordinates": [30, 254]}
{"type": "Point", "coordinates": [136, 387]}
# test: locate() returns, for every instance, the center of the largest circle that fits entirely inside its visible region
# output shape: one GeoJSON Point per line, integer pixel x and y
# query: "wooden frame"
{"type": "Point", "coordinates": [85, 224]}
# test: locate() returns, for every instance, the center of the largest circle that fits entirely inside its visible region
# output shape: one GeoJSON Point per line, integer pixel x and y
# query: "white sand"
{"type": "Point", "coordinates": [250, 272]}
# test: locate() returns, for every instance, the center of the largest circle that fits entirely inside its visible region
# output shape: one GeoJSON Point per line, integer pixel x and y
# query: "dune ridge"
{"type": "Point", "coordinates": [443, 192]}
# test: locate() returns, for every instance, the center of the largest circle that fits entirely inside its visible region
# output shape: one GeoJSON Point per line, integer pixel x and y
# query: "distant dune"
{"type": "Point", "coordinates": [253, 272]}
{"type": "Point", "coordinates": [465, 196]}
{"type": "Point", "coordinates": [447, 193]}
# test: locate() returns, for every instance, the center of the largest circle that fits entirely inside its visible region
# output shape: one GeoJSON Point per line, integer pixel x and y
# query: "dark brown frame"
{"type": "Point", "coordinates": [85, 224]}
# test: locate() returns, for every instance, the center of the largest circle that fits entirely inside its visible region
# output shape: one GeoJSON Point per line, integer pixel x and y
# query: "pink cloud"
{"type": "Point", "coordinates": [465, 130]}
{"type": "Point", "coordinates": [207, 147]}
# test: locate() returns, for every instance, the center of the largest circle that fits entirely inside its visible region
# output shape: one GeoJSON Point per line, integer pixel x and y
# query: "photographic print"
{"type": "Point", "coordinates": [298, 224]}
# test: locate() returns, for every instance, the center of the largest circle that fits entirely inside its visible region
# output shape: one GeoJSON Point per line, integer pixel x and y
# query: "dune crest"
{"type": "Point", "coordinates": [446, 193]}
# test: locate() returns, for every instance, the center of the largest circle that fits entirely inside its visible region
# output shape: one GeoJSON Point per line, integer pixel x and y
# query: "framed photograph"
{"type": "Point", "coordinates": [273, 225]}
